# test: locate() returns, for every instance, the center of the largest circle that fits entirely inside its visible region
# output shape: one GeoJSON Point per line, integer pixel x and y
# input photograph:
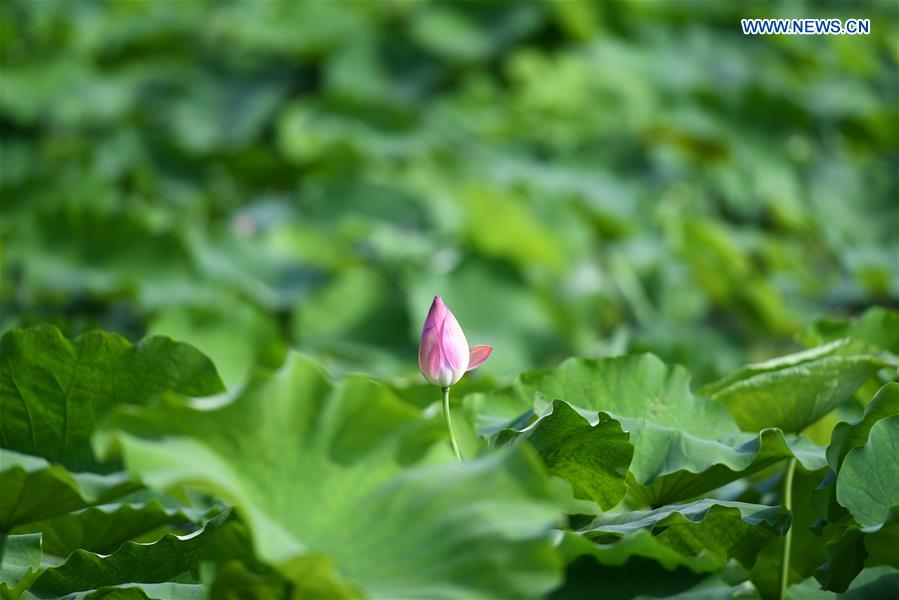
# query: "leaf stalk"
{"type": "Point", "coordinates": [788, 538]}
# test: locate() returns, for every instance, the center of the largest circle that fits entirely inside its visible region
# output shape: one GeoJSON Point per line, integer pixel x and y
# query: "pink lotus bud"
{"type": "Point", "coordinates": [443, 354]}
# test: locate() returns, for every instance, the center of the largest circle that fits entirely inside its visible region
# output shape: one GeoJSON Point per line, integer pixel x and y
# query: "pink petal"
{"type": "Point", "coordinates": [454, 344]}
{"type": "Point", "coordinates": [430, 359]}
{"type": "Point", "coordinates": [435, 316]}
{"type": "Point", "coordinates": [478, 355]}
{"type": "Point", "coordinates": [430, 354]}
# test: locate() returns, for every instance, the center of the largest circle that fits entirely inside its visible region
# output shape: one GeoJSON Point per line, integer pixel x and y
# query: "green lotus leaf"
{"type": "Point", "coordinates": [33, 489]}
{"type": "Point", "coordinates": [849, 545]}
{"type": "Point", "coordinates": [54, 391]}
{"type": "Point", "coordinates": [682, 466]}
{"type": "Point", "coordinates": [329, 478]}
{"type": "Point", "coordinates": [102, 529]}
{"type": "Point", "coordinates": [794, 391]}
{"type": "Point", "coordinates": [868, 481]}
{"type": "Point", "coordinates": [684, 445]}
{"type": "Point", "coordinates": [593, 458]}
{"type": "Point", "coordinates": [170, 557]}
{"type": "Point", "coordinates": [635, 386]}
{"type": "Point", "coordinates": [702, 535]}
{"type": "Point", "coordinates": [847, 436]}
{"type": "Point", "coordinates": [20, 561]}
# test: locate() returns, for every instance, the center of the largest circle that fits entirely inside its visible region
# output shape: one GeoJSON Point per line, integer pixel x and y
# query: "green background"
{"type": "Point", "coordinates": [574, 178]}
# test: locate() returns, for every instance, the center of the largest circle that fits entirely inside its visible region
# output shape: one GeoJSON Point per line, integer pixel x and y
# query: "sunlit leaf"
{"type": "Point", "coordinates": [594, 458]}
{"type": "Point", "coordinates": [684, 445]}
{"type": "Point", "coordinates": [318, 471]}
{"type": "Point", "coordinates": [794, 391]}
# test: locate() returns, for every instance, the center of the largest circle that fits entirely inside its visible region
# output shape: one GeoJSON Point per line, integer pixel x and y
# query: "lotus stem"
{"type": "Point", "coordinates": [449, 422]}
{"type": "Point", "coordinates": [788, 538]}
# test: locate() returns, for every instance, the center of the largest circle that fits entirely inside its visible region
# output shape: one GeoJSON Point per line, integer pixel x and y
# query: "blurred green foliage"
{"type": "Point", "coordinates": [575, 178]}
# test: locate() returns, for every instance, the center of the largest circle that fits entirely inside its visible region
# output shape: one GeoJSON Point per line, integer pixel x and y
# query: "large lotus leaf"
{"type": "Point", "coordinates": [635, 386]}
{"type": "Point", "coordinates": [169, 557]}
{"type": "Point", "coordinates": [318, 471]}
{"type": "Point", "coordinates": [102, 529]}
{"type": "Point", "coordinates": [684, 466]}
{"type": "Point", "coordinates": [794, 391]}
{"type": "Point", "coordinates": [31, 489]}
{"type": "Point", "coordinates": [847, 436]}
{"type": "Point", "coordinates": [868, 481]}
{"type": "Point", "coordinates": [702, 535]}
{"type": "Point", "coordinates": [593, 458]}
{"type": "Point", "coordinates": [20, 560]}
{"type": "Point", "coordinates": [859, 502]}
{"type": "Point", "coordinates": [53, 391]}
{"type": "Point", "coordinates": [684, 445]}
